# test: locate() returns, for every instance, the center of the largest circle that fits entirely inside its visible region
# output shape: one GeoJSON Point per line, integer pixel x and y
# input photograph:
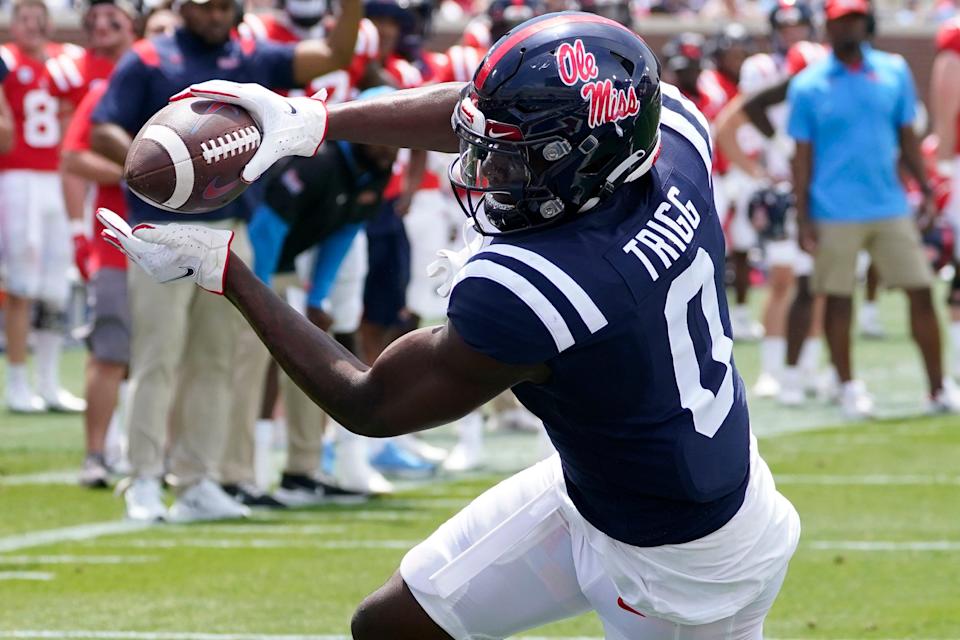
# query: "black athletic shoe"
{"type": "Point", "coordinates": [301, 490]}
{"type": "Point", "coordinates": [252, 497]}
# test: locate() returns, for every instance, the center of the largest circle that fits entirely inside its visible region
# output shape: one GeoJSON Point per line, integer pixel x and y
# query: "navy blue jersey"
{"type": "Point", "coordinates": [626, 306]}
{"type": "Point", "coordinates": [155, 69]}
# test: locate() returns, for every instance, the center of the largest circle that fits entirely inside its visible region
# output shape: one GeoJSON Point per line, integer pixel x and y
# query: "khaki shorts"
{"type": "Point", "coordinates": [894, 247]}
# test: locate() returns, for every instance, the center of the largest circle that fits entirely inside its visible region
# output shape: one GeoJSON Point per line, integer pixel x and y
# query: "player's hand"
{"type": "Point", "coordinates": [173, 251]}
{"type": "Point", "coordinates": [81, 254]}
{"type": "Point", "coordinates": [926, 213]}
{"type": "Point", "coordinates": [808, 235]}
{"type": "Point", "coordinates": [290, 126]}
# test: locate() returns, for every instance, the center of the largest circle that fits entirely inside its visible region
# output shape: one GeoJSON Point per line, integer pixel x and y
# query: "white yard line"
{"type": "Point", "coordinates": [68, 534]}
{"type": "Point", "coordinates": [265, 529]}
{"type": "Point", "coordinates": [868, 480]}
{"type": "Point", "coordinates": [21, 634]}
{"type": "Point", "coordinates": [48, 477]}
{"type": "Point", "coordinates": [864, 545]}
{"type": "Point", "coordinates": [66, 559]}
{"type": "Point", "coordinates": [41, 576]}
{"type": "Point", "coordinates": [262, 543]}
{"type": "Point", "coordinates": [24, 634]}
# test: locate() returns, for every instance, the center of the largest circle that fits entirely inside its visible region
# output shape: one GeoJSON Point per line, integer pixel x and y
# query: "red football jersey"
{"type": "Point", "coordinates": [36, 123]}
{"type": "Point", "coordinates": [803, 54]}
{"type": "Point", "coordinates": [73, 70]}
{"type": "Point", "coordinates": [77, 138]}
{"type": "Point", "coordinates": [341, 85]}
{"type": "Point", "coordinates": [948, 39]}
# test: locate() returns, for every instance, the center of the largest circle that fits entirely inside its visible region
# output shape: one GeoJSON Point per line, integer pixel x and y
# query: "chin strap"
{"type": "Point", "coordinates": [614, 180]}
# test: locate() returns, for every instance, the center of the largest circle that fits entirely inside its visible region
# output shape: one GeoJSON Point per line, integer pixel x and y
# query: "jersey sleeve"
{"type": "Point", "coordinates": [504, 316]}
{"type": "Point", "coordinates": [757, 72]}
{"type": "Point", "coordinates": [800, 126]}
{"type": "Point", "coordinates": [77, 136]}
{"type": "Point", "coordinates": [123, 101]}
{"type": "Point", "coordinates": [272, 64]}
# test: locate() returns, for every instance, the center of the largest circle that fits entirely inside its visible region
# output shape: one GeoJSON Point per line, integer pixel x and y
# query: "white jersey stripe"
{"type": "Point", "coordinates": [582, 303]}
{"type": "Point", "coordinates": [56, 74]}
{"type": "Point", "coordinates": [672, 92]}
{"type": "Point", "coordinates": [681, 125]}
{"type": "Point", "coordinates": [526, 292]}
{"type": "Point", "coordinates": [70, 70]}
{"type": "Point", "coordinates": [8, 59]}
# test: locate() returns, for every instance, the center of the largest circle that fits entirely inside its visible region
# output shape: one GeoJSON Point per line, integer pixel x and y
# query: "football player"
{"type": "Point", "coordinates": [599, 301]}
{"type": "Point", "coordinates": [945, 93]}
{"type": "Point", "coordinates": [34, 232]}
{"type": "Point", "coordinates": [110, 31]}
{"type": "Point", "coordinates": [757, 164]}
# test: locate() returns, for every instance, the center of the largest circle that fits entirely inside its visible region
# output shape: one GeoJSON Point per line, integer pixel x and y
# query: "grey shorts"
{"type": "Point", "coordinates": [108, 338]}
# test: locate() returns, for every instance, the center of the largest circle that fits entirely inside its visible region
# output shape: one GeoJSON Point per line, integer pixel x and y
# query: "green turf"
{"type": "Point", "coordinates": [891, 481]}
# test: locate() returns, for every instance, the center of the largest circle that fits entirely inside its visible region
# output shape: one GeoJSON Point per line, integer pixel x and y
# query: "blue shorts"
{"type": "Point", "coordinates": [385, 291]}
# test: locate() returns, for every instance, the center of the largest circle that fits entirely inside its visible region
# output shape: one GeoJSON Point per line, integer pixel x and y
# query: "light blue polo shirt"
{"type": "Point", "coordinates": [852, 118]}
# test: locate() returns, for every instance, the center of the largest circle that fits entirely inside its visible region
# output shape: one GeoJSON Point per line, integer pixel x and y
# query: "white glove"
{"type": "Point", "coordinates": [290, 126]}
{"type": "Point", "coordinates": [173, 251]}
{"type": "Point", "coordinates": [449, 263]}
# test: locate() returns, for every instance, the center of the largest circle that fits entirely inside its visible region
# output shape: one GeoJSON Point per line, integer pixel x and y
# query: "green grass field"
{"type": "Point", "coordinates": [879, 556]}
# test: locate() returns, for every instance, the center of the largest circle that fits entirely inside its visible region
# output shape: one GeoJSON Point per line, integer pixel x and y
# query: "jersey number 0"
{"type": "Point", "coordinates": [709, 409]}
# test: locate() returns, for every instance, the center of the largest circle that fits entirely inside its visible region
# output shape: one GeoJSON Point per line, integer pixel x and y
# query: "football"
{"type": "Point", "coordinates": [188, 157]}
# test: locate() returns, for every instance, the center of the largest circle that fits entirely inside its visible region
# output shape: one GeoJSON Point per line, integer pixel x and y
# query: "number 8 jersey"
{"type": "Point", "coordinates": [35, 112]}
{"type": "Point", "coordinates": [625, 305]}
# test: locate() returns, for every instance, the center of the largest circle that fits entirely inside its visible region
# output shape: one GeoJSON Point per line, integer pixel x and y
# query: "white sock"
{"type": "Point", "coordinates": [47, 349]}
{"type": "Point", "coordinates": [741, 314]}
{"type": "Point", "coordinates": [954, 331]}
{"type": "Point", "coordinates": [17, 376]}
{"type": "Point", "coordinates": [773, 355]}
{"type": "Point", "coordinates": [868, 313]}
{"type": "Point", "coordinates": [263, 472]}
{"type": "Point", "coordinates": [809, 361]}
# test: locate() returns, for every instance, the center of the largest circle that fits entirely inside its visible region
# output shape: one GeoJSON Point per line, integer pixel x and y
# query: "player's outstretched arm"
{"type": "Point", "coordinates": [414, 118]}
{"type": "Point", "coordinates": [411, 118]}
{"type": "Point", "coordinates": [425, 379]}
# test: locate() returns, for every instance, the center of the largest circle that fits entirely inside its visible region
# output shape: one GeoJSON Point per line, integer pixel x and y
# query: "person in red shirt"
{"type": "Point", "coordinates": [34, 234]}
{"type": "Point", "coordinates": [945, 93]}
{"type": "Point", "coordinates": [108, 337]}
{"type": "Point", "coordinates": [110, 30]}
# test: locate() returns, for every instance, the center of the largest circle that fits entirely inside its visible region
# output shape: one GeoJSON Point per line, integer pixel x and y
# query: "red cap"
{"type": "Point", "coordinates": [839, 8]}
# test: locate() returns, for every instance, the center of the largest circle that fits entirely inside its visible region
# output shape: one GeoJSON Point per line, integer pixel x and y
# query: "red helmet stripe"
{"type": "Point", "coordinates": [503, 49]}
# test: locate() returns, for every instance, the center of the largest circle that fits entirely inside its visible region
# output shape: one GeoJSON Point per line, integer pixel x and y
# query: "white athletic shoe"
{"type": "Point", "coordinates": [766, 386]}
{"type": "Point", "coordinates": [855, 402]}
{"type": "Point", "coordinates": [62, 401]}
{"type": "Point", "coordinates": [464, 457]}
{"type": "Point", "coordinates": [871, 327]}
{"type": "Point", "coordinates": [206, 501]}
{"type": "Point", "coordinates": [792, 389]}
{"type": "Point", "coordinates": [353, 471]}
{"type": "Point", "coordinates": [421, 448]}
{"type": "Point", "coordinates": [144, 499]}
{"type": "Point", "coordinates": [21, 399]}
{"type": "Point", "coordinates": [947, 399]}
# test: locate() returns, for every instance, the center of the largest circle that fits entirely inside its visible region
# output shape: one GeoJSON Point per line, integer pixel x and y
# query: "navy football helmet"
{"type": "Point", "coordinates": [771, 210]}
{"type": "Point", "coordinates": [788, 13]}
{"type": "Point", "coordinates": [563, 110]}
